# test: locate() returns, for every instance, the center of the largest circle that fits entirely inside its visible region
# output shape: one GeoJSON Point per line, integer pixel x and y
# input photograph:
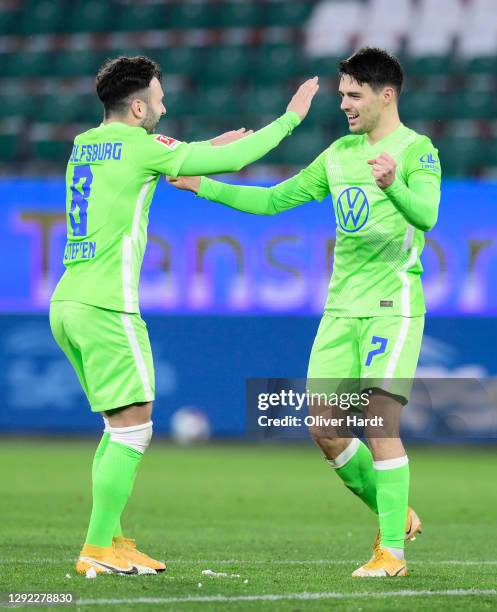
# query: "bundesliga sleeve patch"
{"type": "Point", "coordinates": [167, 141]}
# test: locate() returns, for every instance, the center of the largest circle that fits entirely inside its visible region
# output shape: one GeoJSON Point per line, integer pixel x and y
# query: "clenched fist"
{"type": "Point", "coordinates": [384, 168]}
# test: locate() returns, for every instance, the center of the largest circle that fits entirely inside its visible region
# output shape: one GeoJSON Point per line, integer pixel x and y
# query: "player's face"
{"type": "Point", "coordinates": [154, 106]}
{"type": "Point", "coordinates": [362, 105]}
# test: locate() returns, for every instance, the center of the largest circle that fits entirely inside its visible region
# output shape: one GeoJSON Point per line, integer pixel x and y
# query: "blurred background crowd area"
{"type": "Point", "coordinates": [236, 63]}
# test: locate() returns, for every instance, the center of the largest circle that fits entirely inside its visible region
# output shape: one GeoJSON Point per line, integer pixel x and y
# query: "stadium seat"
{"type": "Point", "coordinates": [75, 63]}
{"type": "Point", "coordinates": [188, 14]}
{"type": "Point", "coordinates": [473, 105]}
{"type": "Point", "coordinates": [332, 26]}
{"type": "Point", "coordinates": [424, 105]}
{"type": "Point", "coordinates": [294, 14]}
{"type": "Point", "coordinates": [9, 20]}
{"type": "Point", "coordinates": [222, 64]}
{"type": "Point", "coordinates": [178, 103]}
{"type": "Point", "coordinates": [301, 148]}
{"type": "Point", "coordinates": [18, 105]}
{"type": "Point", "coordinates": [139, 17]}
{"type": "Point", "coordinates": [181, 61]}
{"type": "Point", "coordinates": [276, 63]}
{"type": "Point", "coordinates": [264, 101]}
{"type": "Point", "coordinates": [214, 101]}
{"type": "Point", "coordinates": [27, 64]}
{"type": "Point", "coordinates": [383, 27]}
{"type": "Point", "coordinates": [43, 17]}
{"type": "Point", "coordinates": [429, 65]}
{"type": "Point", "coordinates": [52, 150]}
{"type": "Point", "coordinates": [9, 147]}
{"type": "Point", "coordinates": [93, 16]}
{"type": "Point", "coordinates": [486, 64]}
{"type": "Point", "coordinates": [241, 15]}
{"type": "Point", "coordinates": [60, 108]}
{"type": "Point", "coordinates": [461, 156]}
{"type": "Point", "coordinates": [431, 35]}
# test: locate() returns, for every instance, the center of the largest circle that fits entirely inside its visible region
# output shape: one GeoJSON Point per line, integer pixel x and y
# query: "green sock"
{"type": "Point", "coordinates": [357, 472]}
{"type": "Point", "coordinates": [112, 485]}
{"type": "Point", "coordinates": [392, 486]}
{"type": "Point", "coordinates": [99, 453]}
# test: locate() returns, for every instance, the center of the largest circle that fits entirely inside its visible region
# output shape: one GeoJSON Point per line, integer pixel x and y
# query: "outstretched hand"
{"type": "Point", "coordinates": [384, 168]}
{"type": "Point", "coordinates": [302, 99]}
{"type": "Point", "coordinates": [188, 183]}
{"type": "Point", "coordinates": [230, 136]}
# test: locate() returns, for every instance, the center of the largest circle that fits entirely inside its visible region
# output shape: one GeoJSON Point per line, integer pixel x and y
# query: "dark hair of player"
{"type": "Point", "coordinates": [373, 66]}
{"type": "Point", "coordinates": [119, 78]}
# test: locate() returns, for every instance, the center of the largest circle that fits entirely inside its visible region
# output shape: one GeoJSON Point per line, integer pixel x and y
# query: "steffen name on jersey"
{"type": "Point", "coordinates": [101, 151]}
{"type": "Point", "coordinates": [76, 251]}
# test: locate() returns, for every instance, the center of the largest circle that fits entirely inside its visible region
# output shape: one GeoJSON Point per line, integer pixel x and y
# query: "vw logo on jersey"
{"type": "Point", "coordinates": [352, 209]}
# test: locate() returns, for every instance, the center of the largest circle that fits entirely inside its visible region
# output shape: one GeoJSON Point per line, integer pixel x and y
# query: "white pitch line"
{"type": "Point", "coordinates": [288, 596]}
{"type": "Point", "coordinates": [261, 562]}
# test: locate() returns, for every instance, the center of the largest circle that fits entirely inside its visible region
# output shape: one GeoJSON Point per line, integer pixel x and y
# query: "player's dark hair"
{"type": "Point", "coordinates": [373, 66]}
{"type": "Point", "coordinates": [119, 78]}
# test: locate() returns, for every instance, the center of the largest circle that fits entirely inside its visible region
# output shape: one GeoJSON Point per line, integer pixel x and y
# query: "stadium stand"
{"type": "Point", "coordinates": [230, 63]}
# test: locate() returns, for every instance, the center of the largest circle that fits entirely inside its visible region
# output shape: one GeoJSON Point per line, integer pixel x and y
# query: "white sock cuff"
{"type": "Point", "coordinates": [131, 428]}
{"type": "Point", "coordinates": [346, 455]}
{"type": "Point", "coordinates": [136, 437]}
{"type": "Point", "coordinates": [391, 464]}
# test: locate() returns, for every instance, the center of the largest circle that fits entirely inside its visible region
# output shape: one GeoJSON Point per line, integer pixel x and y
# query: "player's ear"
{"type": "Point", "coordinates": [389, 95]}
{"type": "Point", "coordinates": [137, 108]}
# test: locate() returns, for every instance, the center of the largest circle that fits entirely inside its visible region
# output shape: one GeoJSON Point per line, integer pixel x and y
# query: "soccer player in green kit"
{"type": "Point", "coordinates": [384, 180]}
{"type": "Point", "coordinates": [94, 313]}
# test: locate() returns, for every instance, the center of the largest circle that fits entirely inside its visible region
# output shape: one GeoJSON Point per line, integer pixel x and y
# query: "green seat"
{"type": "Point", "coordinates": [223, 64]}
{"type": "Point", "coordinates": [187, 14]}
{"type": "Point", "coordinates": [74, 63]}
{"type": "Point", "coordinates": [136, 17]}
{"type": "Point", "coordinates": [9, 21]}
{"type": "Point", "coordinates": [277, 63]}
{"type": "Point", "coordinates": [481, 65]}
{"type": "Point", "coordinates": [9, 147]}
{"type": "Point", "coordinates": [461, 156]}
{"type": "Point", "coordinates": [52, 150]}
{"type": "Point", "coordinates": [18, 106]}
{"type": "Point", "coordinates": [178, 103]}
{"type": "Point", "coordinates": [424, 104]}
{"type": "Point", "coordinates": [429, 66]}
{"type": "Point", "coordinates": [325, 109]}
{"type": "Point", "coordinates": [241, 14]}
{"type": "Point", "coordinates": [294, 13]}
{"type": "Point", "coordinates": [215, 102]}
{"type": "Point", "coordinates": [27, 64]}
{"type": "Point", "coordinates": [44, 17]}
{"type": "Point", "coordinates": [93, 16]}
{"type": "Point", "coordinates": [323, 66]}
{"type": "Point", "coordinates": [61, 108]}
{"type": "Point", "coordinates": [301, 148]}
{"type": "Point", "coordinates": [265, 101]}
{"type": "Point", "coordinates": [473, 105]}
{"type": "Point", "coordinates": [179, 60]}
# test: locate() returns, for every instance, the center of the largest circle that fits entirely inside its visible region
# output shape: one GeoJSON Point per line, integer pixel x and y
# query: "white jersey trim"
{"type": "Point", "coordinates": [397, 350]}
{"type": "Point", "coordinates": [137, 354]}
{"type": "Point", "coordinates": [128, 251]}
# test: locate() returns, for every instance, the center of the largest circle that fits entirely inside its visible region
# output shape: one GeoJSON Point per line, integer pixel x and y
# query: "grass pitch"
{"type": "Point", "coordinates": [275, 515]}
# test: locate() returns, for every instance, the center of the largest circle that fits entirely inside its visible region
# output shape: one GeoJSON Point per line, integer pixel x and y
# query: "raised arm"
{"type": "Point", "coordinates": [308, 185]}
{"type": "Point", "coordinates": [233, 157]}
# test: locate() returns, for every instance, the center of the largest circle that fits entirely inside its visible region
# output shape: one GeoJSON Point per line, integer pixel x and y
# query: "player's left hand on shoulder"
{"type": "Point", "coordinates": [384, 168]}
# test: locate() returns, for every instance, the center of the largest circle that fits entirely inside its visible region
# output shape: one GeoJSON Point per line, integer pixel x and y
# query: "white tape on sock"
{"type": "Point", "coordinates": [135, 436]}
{"type": "Point", "coordinates": [346, 455]}
{"type": "Point", "coordinates": [391, 464]}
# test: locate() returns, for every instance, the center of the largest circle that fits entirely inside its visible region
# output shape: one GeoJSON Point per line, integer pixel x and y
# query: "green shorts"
{"type": "Point", "coordinates": [109, 350]}
{"type": "Point", "coordinates": [353, 354]}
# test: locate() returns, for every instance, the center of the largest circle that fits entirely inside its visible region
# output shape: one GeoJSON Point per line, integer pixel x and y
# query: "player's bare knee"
{"type": "Point", "coordinates": [133, 414]}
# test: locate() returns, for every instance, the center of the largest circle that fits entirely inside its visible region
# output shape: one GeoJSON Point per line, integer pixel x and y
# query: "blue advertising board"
{"type": "Point", "coordinates": [203, 258]}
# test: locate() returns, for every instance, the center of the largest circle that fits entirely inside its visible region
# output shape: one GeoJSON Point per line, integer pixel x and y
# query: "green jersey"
{"type": "Point", "coordinates": [110, 182]}
{"type": "Point", "coordinates": [379, 232]}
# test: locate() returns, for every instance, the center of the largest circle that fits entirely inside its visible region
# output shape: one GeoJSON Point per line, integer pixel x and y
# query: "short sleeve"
{"type": "Point", "coordinates": [313, 178]}
{"type": "Point", "coordinates": [160, 154]}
